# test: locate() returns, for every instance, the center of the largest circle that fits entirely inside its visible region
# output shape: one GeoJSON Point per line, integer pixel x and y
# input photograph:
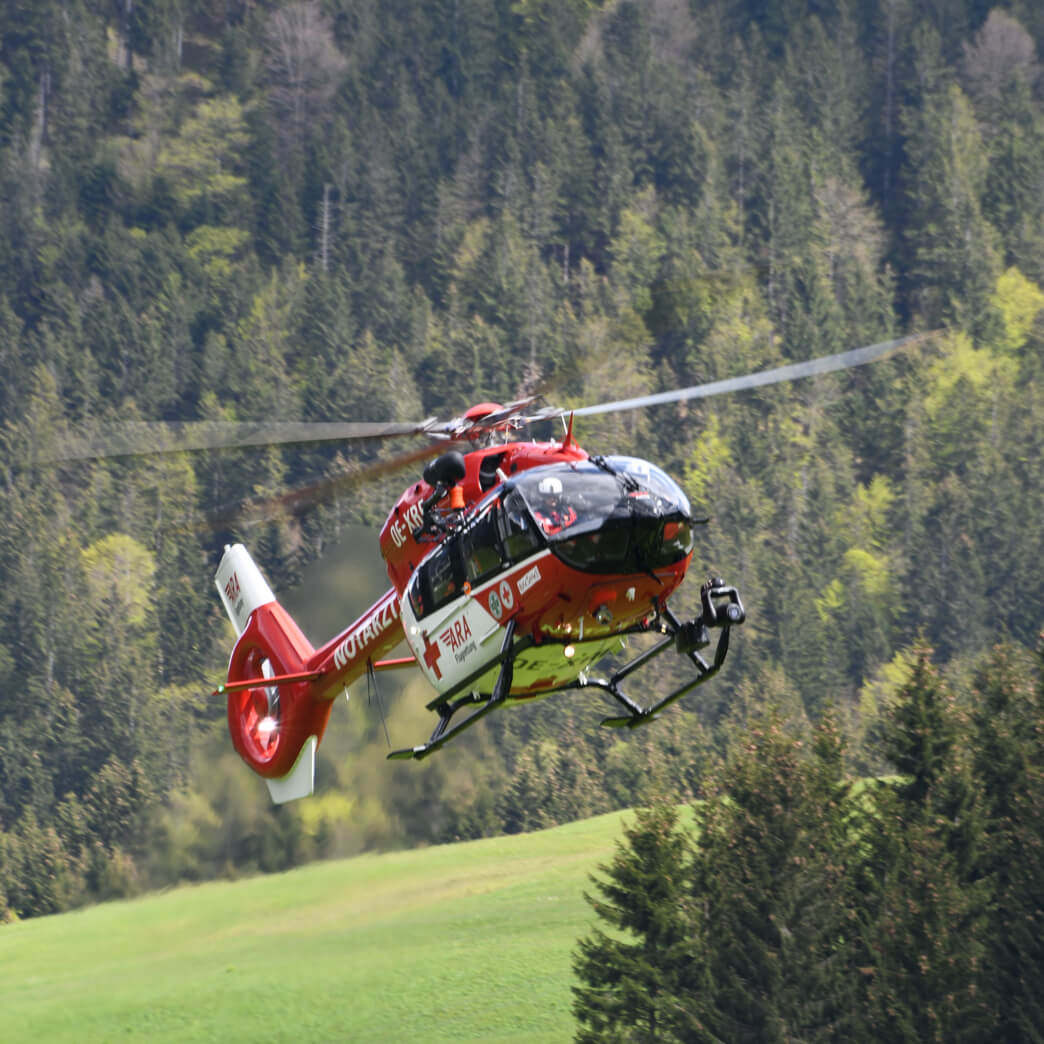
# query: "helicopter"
{"type": "Point", "coordinates": [516, 566]}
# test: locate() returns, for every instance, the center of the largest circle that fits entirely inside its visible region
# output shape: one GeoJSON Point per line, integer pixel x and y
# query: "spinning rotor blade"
{"type": "Point", "coordinates": [144, 438]}
{"type": "Point", "coordinates": [313, 494]}
{"type": "Point", "coordinates": [304, 498]}
{"type": "Point", "coordinates": [793, 372]}
{"type": "Point", "coordinates": [148, 438]}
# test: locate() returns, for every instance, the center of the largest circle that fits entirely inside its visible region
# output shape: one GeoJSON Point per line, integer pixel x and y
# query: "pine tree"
{"type": "Point", "coordinates": [770, 884]}
{"type": "Point", "coordinates": [629, 983]}
{"type": "Point", "coordinates": [924, 901]}
{"type": "Point", "coordinates": [922, 732]}
{"type": "Point", "coordinates": [954, 257]}
{"type": "Point", "coordinates": [925, 943]}
{"type": "Point", "coordinates": [1008, 756]}
{"type": "Point", "coordinates": [1000, 71]}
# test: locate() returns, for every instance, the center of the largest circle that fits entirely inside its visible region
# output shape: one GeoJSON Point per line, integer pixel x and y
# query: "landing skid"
{"type": "Point", "coordinates": [687, 639]}
{"type": "Point", "coordinates": [448, 707]}
{"type": "Point", "coordinates": [720, 608]}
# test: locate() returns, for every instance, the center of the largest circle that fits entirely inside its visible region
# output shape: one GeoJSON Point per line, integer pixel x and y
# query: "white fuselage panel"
{"type": "Point", "coordinates": [454, 641]}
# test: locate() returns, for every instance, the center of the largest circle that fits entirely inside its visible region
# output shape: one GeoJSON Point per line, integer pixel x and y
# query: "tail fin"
{"type": "Point", "coordinates": [241, 586]}
{"type": "Point", "coordinates": [276, 728]}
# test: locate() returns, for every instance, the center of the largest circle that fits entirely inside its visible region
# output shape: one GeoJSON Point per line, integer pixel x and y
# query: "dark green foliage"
{"type": "Point", "coordinates": [818, 909]}
{"type": "Point", "coordinates": [453, 201]}
{"type": "Point", "coordinates": [756, 943]}
{"type": "Point", "coordinates": [922, 733]}
{"type": "Point", "coordinates": [1008, 756]}
{"type": "Point", "coordinates": [769, 878]}
{"type": "Point", "coordinates": [630, 978]}
{"type": "Point", "coordinates": [926, 916]}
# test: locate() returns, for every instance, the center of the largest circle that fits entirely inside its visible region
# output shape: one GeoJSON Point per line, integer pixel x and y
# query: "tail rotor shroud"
{"type": "Point", "coordinates": [275, 728]}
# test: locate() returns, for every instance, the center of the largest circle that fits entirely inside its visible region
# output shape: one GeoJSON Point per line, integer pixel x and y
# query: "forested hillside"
{"type": "Point", "coordinates": [377, 209]}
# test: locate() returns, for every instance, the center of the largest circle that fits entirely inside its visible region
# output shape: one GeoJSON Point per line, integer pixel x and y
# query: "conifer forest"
{"type": "Point", "coordinates": [341, 210]}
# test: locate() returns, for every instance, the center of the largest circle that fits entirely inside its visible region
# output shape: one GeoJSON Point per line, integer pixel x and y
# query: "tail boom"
{"type": "Point", "coordinates": [345, 658]}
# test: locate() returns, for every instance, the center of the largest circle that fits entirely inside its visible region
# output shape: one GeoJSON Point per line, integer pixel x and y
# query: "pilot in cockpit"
{"type": "Point", "coordinates": [552, 512]}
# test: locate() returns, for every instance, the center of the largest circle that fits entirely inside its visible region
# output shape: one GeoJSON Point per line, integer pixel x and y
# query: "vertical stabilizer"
{"type": "Point", "coordinates": [241, 586]}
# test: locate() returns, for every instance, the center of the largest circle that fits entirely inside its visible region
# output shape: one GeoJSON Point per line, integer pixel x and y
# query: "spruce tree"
{"type": "Point", "coordinates": [954, 256]}
{"type": "Point", "coordinates": [629, 978]}
{"type": "Point", "coordinates": [769, 882]}
{"type": "Point", "coordinates": [924, 901]}
{"type": "Point", "coordinates": [1008, 745]}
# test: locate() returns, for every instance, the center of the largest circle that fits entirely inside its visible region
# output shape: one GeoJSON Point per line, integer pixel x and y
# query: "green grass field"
{"type": "Point", "coordinates": [460, 942]}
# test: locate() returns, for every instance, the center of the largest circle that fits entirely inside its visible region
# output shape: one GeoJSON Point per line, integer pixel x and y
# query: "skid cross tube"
{"type": "Point", "coordinates": [447, 706]}
{"type": "Point", "coordinates": [640, 715]}
{"type": "Point", "coordinates": [712, 615]}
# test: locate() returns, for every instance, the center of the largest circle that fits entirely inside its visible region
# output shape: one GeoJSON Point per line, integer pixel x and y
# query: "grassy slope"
{"type": "Point", "coordinates": [460, 942]}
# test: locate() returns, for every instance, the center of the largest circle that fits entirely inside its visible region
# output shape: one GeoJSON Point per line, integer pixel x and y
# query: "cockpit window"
{"type": "Point", "coordinates": [618, 515]}
{"type": "Point", "coordinates": [442, 576]}
{"type": "Point", "coordinates": [469, 557]}
{"type": "Point", "coordinates": [480, 549]}
{"type": "Point", "coordinates": [677, 539]}
{"type": "Point", "coordinates": [650, 477]}
{"type": "Point", "coordinates": [438, 580]}
{"type": "Point", "coordinates": [621, 515]}
{"type": "Point", "coordinates": [518, 531]}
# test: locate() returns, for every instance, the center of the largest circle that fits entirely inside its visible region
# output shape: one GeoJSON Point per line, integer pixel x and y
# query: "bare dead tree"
{"type": "Point", "coordinates": [304, 71]}
{"type": "Point", "coordinates": [1002, 54]}
{"type": "Point", "coordinates": [324, 229]}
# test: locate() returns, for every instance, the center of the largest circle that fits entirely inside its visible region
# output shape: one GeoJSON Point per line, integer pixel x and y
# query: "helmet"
{"type": "Point", "coordinates": [550, 486]}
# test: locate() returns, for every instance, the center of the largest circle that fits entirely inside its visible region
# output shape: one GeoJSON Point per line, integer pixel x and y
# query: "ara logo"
{"type": "Point", "coordinates": [495, 606]}
{"type": "Point", "coordinates": [456, 634]}
{"type": "Point", "coordinates": [367, 632]}
{"type": "Point", "coordinates": [402, 528]}
{"type": "Point", "coordinates": [232, 588]}
{"type": "Point", "coordinates": [528, 580]}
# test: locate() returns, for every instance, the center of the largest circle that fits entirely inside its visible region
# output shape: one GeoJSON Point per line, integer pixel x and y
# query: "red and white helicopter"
{"type": "Point", "coordinates": [515, 567]}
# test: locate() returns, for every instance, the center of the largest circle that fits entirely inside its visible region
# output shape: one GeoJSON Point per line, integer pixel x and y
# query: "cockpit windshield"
{"type": "Point", "coordinates": [613, 515]}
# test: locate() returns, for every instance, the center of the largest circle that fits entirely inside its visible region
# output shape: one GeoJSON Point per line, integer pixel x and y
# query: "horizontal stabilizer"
{"type": "Point", "coordinates": [266, 682]}
{"type": "Point", "coordinates": [396, 664]}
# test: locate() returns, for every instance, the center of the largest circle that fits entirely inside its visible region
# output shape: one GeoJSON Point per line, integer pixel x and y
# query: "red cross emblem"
{"type": "Point", "coordinates": [432, 652]}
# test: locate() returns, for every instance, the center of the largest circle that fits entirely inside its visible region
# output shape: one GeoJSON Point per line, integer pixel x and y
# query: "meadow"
{"type": "Point", "coordinates": [470, 941]}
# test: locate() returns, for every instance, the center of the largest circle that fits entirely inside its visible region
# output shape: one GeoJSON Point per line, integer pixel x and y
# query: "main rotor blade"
{"type": "Point", "coordinates": [144, 438]}
{"type": "Point", "coordinates": [793, 372]}
{"type": "Point", "coordinates": [304, 498]}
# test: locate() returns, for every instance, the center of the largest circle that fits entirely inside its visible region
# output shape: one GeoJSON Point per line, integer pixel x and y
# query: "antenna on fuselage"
{"type": "Point", "coordinates": [568, 440]}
